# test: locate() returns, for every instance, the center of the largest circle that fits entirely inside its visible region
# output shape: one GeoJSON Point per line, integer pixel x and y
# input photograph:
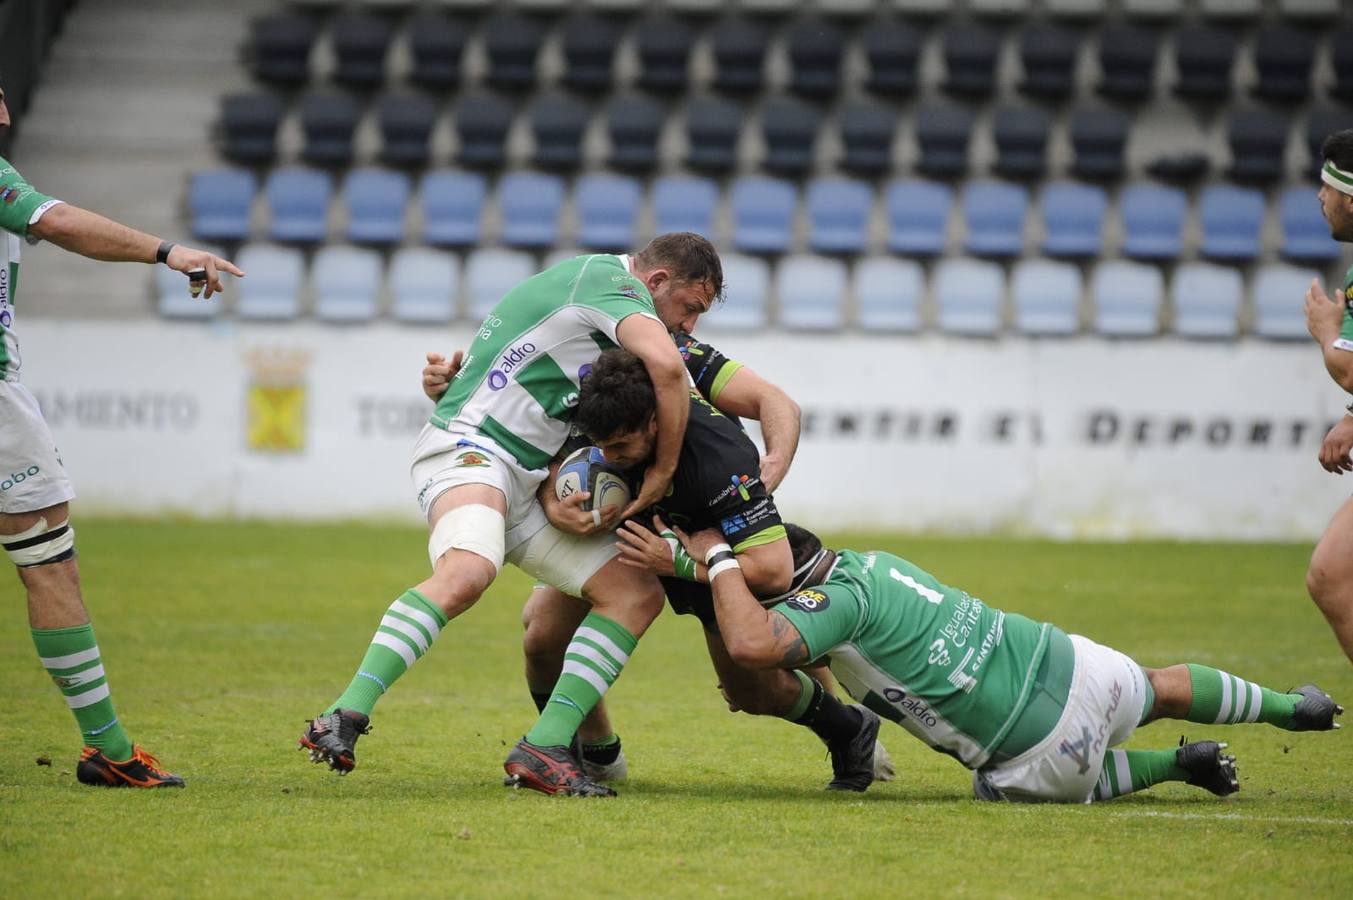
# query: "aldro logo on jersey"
{"type": "Point", "coordinates": [276, 398]}
{"type": "Point", "coordinates": [808, 601]}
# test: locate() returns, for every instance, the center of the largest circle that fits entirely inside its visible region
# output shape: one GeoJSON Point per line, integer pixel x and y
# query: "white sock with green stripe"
{"type": "Point", "coordinates": [1220, 698]}
{"type": "Point", "coordinates": [71, 657]}
{"type": "Point", "coordinates": [406, 632]}
{"type": "Point", "coordinates": [596, 655]}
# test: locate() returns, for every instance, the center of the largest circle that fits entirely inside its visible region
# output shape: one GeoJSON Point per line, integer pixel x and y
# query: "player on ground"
{"type": "Point", "coordinates": [551, 617]}
{"type": "Point", "coordinates": [35, 491]}
{"type": "Point", "coordinates": [479, 461]}
{"type": "Point", "coordinates": [1330, 576]}
{"type": "Point", "coordinates": [1033, 711]}
{"type": "Point", "coordinates": [713, 486]}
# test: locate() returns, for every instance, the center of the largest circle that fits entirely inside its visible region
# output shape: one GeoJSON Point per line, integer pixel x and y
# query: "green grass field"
{"type": "Point", "coordinates": [220, 639]}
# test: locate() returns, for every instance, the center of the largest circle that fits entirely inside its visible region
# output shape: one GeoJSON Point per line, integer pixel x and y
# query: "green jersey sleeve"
{"type": "Point", "coordinates": [825, 616]}
{"type": "Point", "coordinates": [1345, 339]}
{"type": "Point", "coordinates": [20, 203]}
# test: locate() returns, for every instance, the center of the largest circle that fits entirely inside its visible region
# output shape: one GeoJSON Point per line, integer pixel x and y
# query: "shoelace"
{"type": "Point", "coordinates": [147, 760]}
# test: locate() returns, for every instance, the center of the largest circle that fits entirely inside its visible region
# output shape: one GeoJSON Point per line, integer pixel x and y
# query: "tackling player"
{"type": "Point", "coordinates": [1330, 576]}
{"type": "Point", "coordinates": [1033, 711]}
{"type": "Point", "coordinates": [35, 491]}
{"type": "Point", "coordinates": [487, 448]}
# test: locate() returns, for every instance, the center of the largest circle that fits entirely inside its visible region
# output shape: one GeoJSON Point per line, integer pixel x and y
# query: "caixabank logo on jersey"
{"type": "Point", "coordinates": [276, 400]}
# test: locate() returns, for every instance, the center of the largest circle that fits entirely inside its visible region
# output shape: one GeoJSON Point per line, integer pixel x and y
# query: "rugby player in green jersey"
{"type": "Point", "coordinates": [1330, 576]}
{"type": "Point", "coordinates": [1033, 711]}
{"type": "Point", "coordinates": [35, 491]}
{"type": "Point", "coordinates": [487, 448]}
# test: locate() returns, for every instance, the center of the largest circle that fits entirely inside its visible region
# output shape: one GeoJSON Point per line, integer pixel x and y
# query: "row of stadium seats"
{"type": "Point", "coordinates": [865, 132]}
{"type": "Point", "coordinates": [968, 296]}
{"type": "Point", "coordinates": [1224, 10]}
{"type": "Point", "coordinates": [1204, 55]}
{"type": "Point", "coordinates": [378, 207]}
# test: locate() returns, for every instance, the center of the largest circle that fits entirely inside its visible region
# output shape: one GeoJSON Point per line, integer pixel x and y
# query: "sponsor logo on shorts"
{"type": "Point", "coordinates": [1078, 750]}
{"type": "Point", "coordinates": [472, 459]}
{"type": "Point", "coordinates": [808, 601]}
{"type": "Point", "coordinates": [17, 478]}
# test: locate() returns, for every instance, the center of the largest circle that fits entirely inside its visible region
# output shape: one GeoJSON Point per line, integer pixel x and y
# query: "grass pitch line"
{"type": "Point", "coordinates": [1235, 817]}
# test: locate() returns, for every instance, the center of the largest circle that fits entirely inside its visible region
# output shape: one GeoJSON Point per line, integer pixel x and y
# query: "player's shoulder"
{"type": "Point", "coordinates": [606, 275]}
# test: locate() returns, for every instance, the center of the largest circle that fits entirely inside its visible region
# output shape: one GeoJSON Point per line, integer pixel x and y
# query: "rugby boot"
{"type": "Point", "coordinates": [1208, 767]}
{"type": "Point", "coordinates": [605, 763]}
{"type": "Point", "coordinates": [332, 738]}
{"type": "Point", "coordinates": [550, 770]}
{"type": "Point", "coordinates": [853, 759]}
{"type": "Point", "coordinates": [1315, 711]}
{"type": "Point", "coordinates": [141, 771]}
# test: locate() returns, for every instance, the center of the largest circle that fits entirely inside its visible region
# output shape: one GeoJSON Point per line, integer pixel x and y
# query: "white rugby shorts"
{"type": "Point", "coordinates": [443, 460]}
{"type": "Point", "coordinates": [1106, 701]}
{"type": "Point", "coordinates": [32, 476]}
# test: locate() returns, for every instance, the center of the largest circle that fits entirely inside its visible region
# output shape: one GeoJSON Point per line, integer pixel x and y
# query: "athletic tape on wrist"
{"type": "Point", "coordinates": [717, 548]}
{"type": "Point", "coordinates": [682, 564]}
{"type": "Point", "coordinates": [723, 565]}
{"type": "Point", "coordinates": [1337, 178]}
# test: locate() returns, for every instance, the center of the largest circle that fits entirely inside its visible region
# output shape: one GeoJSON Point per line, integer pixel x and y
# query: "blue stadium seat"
{"type": "Point", "coordinates": [347, 282]}
{"type": "Point", "coordinates": [968, 297]}
{"type": "Point", "coordinates": [838, 215]}
{"type": "Point", "coordinates": [888, 294]}
{"type": "Point", "coordinates": [943, 132]}
{"type": "Point", "coordinates": [1207, 300]}
{"type": "Point", "coordinates": [918, 217]}
{"type": "Point", "coordinates": [1231, 218]}
{"type": "Point", "coordinates": [558, 122]}
{"type": "Point", "coordinates": [1073, 219]}
{"type": "Point", "coordinates": [529, 203]}
{"type": "Point", "coordinates": [684, 203]}
{"type": "Point", "coordinates": [1153, 221]}
{"type": "Point", "coordinates": [1128, 297]}
{"type": "Point", "coordinates": [329, 121]}
{"type": "Point", "coordinates": [406, 122]}
{"type": "Point", "coordinates": [746, 289]}
{"type": "Point", "coordinates": [663, 44]}
{"type": "Point", "coordinates": [490, 273]}
{"type": "Point", "coordinates": [299, 201]}
{"type": "Point", "coordinates": [1306, 234]}
{"type": "Point", "coordinates": [607, 206]}
{"type": "Point", "coordinates": [219, 201]}
{"type": "Point", "coordinates": [812, 293]}
{"type": "Point", "coordinates": [249, 124]}
{"type": "Point", "coordinates": [763, 213]}
{"type": "Point", "coordinates": [1279, 291]}
{"type": "Point", "coordinates": [635, 124]}
{"type": "Point", "coordinates": [712, 127]}
{"type": "Point", "coordinates": [273, 288]}
{"type": "Point", "coordinates": [867, 130]}
{"type": "Point", "coordinates": [482, 122]}
{"type": "Point", "coordinates": [173, 301]}
{"type": "Point", "coordinates": [1046, 297]}
{"type": "Point", "coordinates": [452, 203]}
{"type": "Point", "coordinates": [994, 211]}
{"type": "Point", "coordinates": [423, 283]}
{"type": "Point", "coordinates": [376, 200]}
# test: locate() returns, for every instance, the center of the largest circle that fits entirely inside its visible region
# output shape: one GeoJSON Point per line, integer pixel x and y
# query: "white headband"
{"type": "Point", "coordinates": [1337, 178]}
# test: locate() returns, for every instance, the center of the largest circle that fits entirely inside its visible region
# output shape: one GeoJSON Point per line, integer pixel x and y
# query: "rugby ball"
{"type": "Point", "coordinates": [586, 469]}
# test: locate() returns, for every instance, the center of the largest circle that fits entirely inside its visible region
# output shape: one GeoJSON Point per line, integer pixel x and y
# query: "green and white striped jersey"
{"type": "Point", "coordinates": [953, 671]}
{"type": "Point", "coordinates": [518, 384]}
{"type": "Point", "coordinates": [20, 207]}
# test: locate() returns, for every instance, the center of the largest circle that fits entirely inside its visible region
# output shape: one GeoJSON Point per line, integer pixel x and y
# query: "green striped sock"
{"type": "Point", "coordinates": [1126, 771]}
{"type": "Point", "coordinates": [71, 657]}
{"type": "Point", "coordinates": [599, 650]}
{"type": "Point", "coordinates": [407, 630]}
{"type": "Point", "coordinates": [1220, 698]}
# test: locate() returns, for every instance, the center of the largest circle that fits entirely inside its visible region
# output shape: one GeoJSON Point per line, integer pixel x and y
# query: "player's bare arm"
{"type": "Point", "coordinates": [1324, 319]}
{"type": "Point", "coordinates": [767, 569]}
{"type": "Point", "coordinates": [648, 340]}
{"type": "Point", "coordinates": [90, 234]}
{"type": "Point", "coordinates": [749, 396]}
{"type": "Point", "coordinates": [755, 637]}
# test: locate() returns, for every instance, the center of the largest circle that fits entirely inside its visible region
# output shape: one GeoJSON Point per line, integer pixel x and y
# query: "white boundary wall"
{"type": "Point", "coordinates": [1066, 438]}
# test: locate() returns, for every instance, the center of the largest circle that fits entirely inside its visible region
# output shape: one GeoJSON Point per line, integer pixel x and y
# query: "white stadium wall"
{"type": "Point", "coordinates": [1074, 438]}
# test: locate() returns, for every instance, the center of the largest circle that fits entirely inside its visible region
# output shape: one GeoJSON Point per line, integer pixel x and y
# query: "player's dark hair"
{"type": "Point", "coordinates": [688, 256]}
{"type": "Point", "coordinates": [1338, 149]}
{"type": "Point", "coordinates": [616, 396]}
{"type": "Point", "coordinates": [812, 561]}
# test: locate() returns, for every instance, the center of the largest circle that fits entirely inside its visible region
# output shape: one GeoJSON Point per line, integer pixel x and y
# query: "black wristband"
{"type": "Point", "coordinates": [162, 255]}
{"type": "Point", "coordinates": [719, 557]}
